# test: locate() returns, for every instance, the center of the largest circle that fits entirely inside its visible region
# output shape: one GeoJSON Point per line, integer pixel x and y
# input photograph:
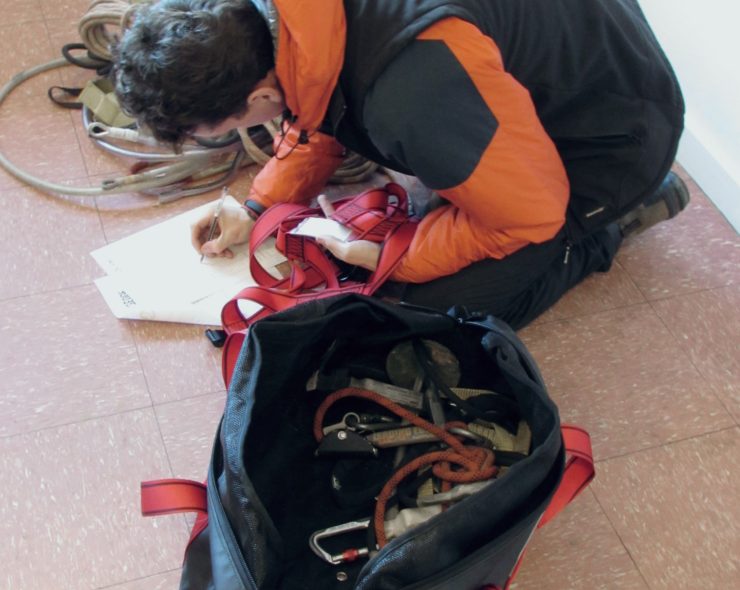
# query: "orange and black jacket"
{"type": "Point", "coordinates": [523, 115]}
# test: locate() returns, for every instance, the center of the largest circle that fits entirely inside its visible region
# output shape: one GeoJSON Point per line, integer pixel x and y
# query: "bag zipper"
{"type": "Point", "coordinates": [216, 516]}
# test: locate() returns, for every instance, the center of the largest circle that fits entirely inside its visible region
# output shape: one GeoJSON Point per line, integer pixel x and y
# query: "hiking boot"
{"type": "Point", "coordinates": [666, 202]}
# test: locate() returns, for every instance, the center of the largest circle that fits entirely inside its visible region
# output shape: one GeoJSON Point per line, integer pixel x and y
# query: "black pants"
{"type": "Point", "coordinates": [521, 286]}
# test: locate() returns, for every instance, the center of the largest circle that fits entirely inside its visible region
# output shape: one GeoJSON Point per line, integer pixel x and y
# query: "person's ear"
{"type": "Point", "coordinates": [264, 94]}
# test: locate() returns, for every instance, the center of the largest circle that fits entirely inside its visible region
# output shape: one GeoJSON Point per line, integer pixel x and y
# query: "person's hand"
{"type": "Point", "coordinates": [232, 228]}
{"type": "Point", "coordinates": [361, 253]}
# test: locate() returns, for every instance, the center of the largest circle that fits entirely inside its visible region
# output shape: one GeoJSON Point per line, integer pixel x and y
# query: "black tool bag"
{"type": "Point", "coordinates": [267, 492]}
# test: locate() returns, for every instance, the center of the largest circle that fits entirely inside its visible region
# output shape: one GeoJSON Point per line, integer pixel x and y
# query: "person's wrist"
{"type": "Point", "coordinates": [253, 209]}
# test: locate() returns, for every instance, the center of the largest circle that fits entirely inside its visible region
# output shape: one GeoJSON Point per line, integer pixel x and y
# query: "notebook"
{"type": "Point", "coordinates": [156, 274]}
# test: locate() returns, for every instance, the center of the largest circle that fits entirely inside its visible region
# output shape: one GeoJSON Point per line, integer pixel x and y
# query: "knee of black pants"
{"type": "Point", "coordinates": [523, 285]}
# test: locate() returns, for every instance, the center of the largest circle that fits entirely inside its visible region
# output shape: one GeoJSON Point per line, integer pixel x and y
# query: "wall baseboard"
{"type": "Point", "coordinates": [711, 175]}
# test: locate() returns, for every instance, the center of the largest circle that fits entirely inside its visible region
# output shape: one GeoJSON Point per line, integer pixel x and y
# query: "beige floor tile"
{"type": "Point", "coordinates": [676, 510]}
{"type": "Point", "coordinates": [707, 325]}
{"type": "Point", "coordinates": [20, 11]}
{"type": "Point", "coordinates": [52, 156]}
{"type": "Point", "coordinates": [23, 47]}
{"type": "Point", "coordinates": [623, 377]}
{"type": "Point", "coordinates": [599, 292]}
{"type": "Point", "coordinates": [696, 250]}
{"type": "Point", "coordinates": [188, 430]}
{"type": "Point", "coordinates": [70, 516]}
{"type": "Point", "coordinates": [178, 360]}
{"type": "Point", "coordinates": [65, 358]}
{"type": "Point", "coordinates": [164, 581]}
{"type": "Point", "coordinates": [578, 550]}
{"type": "Point", "coordinates": [64, 9]}
{"type": "Point", "coordinates": [601, 349]}
{"type": "Point", "coordinates": [47, 242]}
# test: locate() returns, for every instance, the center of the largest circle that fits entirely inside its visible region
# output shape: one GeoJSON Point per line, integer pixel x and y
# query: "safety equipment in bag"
{"type": "Point", "coordinates": [269, 517]}
{"type": "Point", "coordinates": [379, 215]}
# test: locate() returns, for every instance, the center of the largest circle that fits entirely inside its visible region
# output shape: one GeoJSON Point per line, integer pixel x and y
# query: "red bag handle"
{"type": "Point", "coordinates": [579, 470]}
{"type": "Point", "coordinates": [171, 496]}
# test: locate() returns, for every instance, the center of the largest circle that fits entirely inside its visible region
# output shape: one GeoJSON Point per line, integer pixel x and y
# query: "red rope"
{"type": "Point", "coordinates": [476, 463]}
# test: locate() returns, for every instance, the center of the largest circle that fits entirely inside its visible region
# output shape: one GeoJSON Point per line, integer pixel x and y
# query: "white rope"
{"type": "Point", "coordinates": [151, 180]}
{"type": "Point", "coordinates": [95, 31]}
{"type": "Point", "coordinates": [96, 27]}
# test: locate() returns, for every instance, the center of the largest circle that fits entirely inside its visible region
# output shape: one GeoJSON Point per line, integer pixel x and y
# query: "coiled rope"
{"type": "Point", "coordinates": [476, 463]}
{"type": "Point", "coordinates": [95, 25]}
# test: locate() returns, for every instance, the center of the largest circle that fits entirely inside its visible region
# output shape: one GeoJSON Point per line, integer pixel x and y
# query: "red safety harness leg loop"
{"type": "Point", "coordinates": [264, 228]}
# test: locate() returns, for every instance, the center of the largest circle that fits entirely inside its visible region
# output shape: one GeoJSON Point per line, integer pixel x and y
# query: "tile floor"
{"type": "Point", "coordinates": [647, 357]}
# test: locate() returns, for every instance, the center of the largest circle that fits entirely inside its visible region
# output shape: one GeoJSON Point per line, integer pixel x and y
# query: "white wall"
{"type": "Point", "coordinates": [702, 40]}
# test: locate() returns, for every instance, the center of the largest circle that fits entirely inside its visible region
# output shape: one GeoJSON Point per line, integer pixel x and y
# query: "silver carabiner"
{"type": "Point", "coordinates": [346, 555]}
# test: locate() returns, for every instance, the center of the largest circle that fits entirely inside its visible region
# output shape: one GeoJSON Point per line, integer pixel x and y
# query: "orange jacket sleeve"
{"type": "Point", "coordinates": [299, 170]}
{"type": "Point", "coordinates": [515, 190]}
{"type": "Point", "coordinates": [310, 53]}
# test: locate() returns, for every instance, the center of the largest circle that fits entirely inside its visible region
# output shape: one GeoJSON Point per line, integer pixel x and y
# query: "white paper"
{"type": "Point", "coordinates": [156, 274]}
{"type": "Point", "coordinates": [130, 300]}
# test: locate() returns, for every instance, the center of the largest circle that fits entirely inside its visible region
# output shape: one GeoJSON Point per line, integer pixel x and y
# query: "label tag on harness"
{"type": "Point", "coordinates": [313, 227]}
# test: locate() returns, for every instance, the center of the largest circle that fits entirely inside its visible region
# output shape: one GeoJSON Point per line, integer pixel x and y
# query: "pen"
{"type": "Point", "coordinates": [216, 213]}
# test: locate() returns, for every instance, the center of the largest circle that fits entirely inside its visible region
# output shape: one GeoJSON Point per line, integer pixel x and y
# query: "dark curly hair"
{"type": "Point", "coordinates": [185, 63]}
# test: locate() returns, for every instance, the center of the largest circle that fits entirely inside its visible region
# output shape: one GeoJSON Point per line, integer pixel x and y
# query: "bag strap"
{"type": "Point", "coordinates": [171, 496]}
{"type": "Point", "coordinates": [579, 470]}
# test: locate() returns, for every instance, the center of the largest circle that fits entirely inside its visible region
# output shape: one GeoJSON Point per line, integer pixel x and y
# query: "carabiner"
{"type": "Point", "coordinates": [346, 555]}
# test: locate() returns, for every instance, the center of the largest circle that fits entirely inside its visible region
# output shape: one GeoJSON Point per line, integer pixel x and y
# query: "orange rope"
{"type": "Point", "coordinates": [476, 462]}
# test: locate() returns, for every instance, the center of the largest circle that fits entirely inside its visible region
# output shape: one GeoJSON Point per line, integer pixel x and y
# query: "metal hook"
{"type": "Point", "coordinates": [346, 555]}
